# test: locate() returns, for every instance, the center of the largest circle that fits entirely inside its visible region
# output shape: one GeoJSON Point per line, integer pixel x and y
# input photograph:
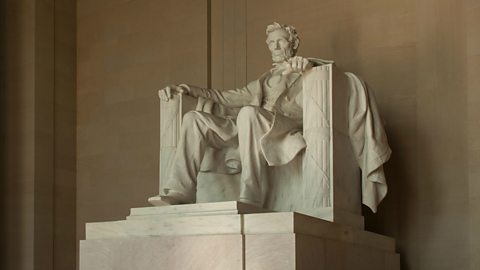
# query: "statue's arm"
{"type": "Point", "coordinates": [238, 97]}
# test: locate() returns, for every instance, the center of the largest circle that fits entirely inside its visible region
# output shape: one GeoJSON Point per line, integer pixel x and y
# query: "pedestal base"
{"type": "Point", "coordinates": [228, 236]}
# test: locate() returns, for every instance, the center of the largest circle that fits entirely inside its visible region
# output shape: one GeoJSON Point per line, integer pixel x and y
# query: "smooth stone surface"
{"type": "Point", "coordinates": [276, 251]}
{"type": "Point", "coordinates": [297, 251]}
{"type": "Point", "coordinates": [242, 240]}
{"type": "Point", "coordinates": [335, 215]}
{"type": "Point", "coordinates": [288, 251]}
{"type": "Point", "coordinates": [289, 222]}
{"type": "Point", "coordinates": [219, 208]}
{"type": "Point", "coordinates": [201, 225]}
{"type": "Point", "coordinates": [186, 219]}
{"type": "Point", "coordinates": [212, 252]}
{"type": "Point", "coordinates": [220, 218]}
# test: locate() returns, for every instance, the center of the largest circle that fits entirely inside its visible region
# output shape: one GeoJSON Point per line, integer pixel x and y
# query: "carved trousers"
{"type": "Point", "coordinates": [201, 130]}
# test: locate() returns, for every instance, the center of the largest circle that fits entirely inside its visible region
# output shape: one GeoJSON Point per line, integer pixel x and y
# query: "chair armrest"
{"type": "Point", "coordinates": [171, 115]}
{"type": "Point", "coordinates": [317, 132]}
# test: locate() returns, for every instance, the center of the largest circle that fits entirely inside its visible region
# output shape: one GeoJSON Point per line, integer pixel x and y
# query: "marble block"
{"type": "Point", "coordinates": [210, 252]}
{"type": "Point", "coordinates": [187, 219]}
{"type": "Point", "coordinates": [200, 209]}
{"type": "Point", "coordinates": [306, 252]}
{"type": "Point", "coordinates": [231, 235]}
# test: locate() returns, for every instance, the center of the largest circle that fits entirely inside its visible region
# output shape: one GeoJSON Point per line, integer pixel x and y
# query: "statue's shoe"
{"type": "Point", "coordinates": [251, 202]}
{"type": "Point", "coordinates": [172, 197]}
{"type": "Point", "coordinates": [162, 200]}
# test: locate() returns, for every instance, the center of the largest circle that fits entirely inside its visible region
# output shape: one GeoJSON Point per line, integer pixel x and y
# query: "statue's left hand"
{"type": "Point", "coordinates": [167, 93]}
{"type": "Point", "coordinates": [298, 64]}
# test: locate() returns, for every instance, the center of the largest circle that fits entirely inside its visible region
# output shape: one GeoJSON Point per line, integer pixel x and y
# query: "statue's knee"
{"type": "Point", "coordinates": [247, 113]}
{"type": "Point", "coordinates": [190, 119]}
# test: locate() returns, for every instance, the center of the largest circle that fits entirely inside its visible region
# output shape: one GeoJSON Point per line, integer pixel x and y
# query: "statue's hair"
{"type": "Point", "coordinates": [292, 34]}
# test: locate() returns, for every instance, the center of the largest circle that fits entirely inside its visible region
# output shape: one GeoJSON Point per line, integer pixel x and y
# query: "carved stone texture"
{"type": "Point", "coordinates": [171, 114]}
{"type": "Point", "coordinates": [317, 172]}
{"type": "Point", "coordinates": [170, 121]}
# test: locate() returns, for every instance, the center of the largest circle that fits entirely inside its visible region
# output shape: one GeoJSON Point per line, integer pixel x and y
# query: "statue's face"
{"type": "Point", "coordinates": [279, 46]}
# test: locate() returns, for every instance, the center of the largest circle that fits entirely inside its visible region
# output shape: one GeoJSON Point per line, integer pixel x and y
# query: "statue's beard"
{"type": "Point", "coordinates": [279, 56]}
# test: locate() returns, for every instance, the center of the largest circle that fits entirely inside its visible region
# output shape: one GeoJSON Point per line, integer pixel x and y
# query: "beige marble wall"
{"type": "Point", "coordinates": [18, 136]}
{"type": "Point", "coordinates": [44, 130]}
{"type": "Point", "coordinates": [228, 43]}
{"type": "Point", "coordinates": [472, 21]}
{"type": "Point", "coordinates": [127, 50]}
{"type": "Point", "coordinates": [64, 184]}
{"type": "Point", "coordinates": [38, 135]}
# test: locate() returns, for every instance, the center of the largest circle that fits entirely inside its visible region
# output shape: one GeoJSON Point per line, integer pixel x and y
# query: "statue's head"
{"type": "Point", "coordinates": [282, 41]}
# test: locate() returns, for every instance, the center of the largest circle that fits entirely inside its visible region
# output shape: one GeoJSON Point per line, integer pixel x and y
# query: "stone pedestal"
{"type": "Point", "coordinates": [228, 236]}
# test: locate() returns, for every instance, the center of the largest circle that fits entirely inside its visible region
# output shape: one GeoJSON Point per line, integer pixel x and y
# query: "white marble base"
{"type": "Point", "coordinates": [231, 235]}
{"type": "Point", "coordinates": [201, 252]}
{"type": "Point", "coordinates": [304, 252]}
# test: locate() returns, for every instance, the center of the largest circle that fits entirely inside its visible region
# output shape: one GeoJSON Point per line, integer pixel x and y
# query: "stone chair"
{"type": "Point", "coordinates": [324, 180]}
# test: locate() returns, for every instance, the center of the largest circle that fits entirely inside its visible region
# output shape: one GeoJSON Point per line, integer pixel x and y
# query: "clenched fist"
{"type": "Point", "coordinates": [296, 64]}
{"type": "Point", "coordinates": [166, 93]}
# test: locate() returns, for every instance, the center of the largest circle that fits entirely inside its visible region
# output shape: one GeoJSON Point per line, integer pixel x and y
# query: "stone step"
{"type": "Point", "coordinates": [229, 218]}
{"type": "Point", "coordinates": [204, 209]}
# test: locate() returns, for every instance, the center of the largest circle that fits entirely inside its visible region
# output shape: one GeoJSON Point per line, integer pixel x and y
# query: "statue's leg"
{"type": "Point", "coordinates": [252, 124]}
{"type": "Point", "coordinates": [199, 130]}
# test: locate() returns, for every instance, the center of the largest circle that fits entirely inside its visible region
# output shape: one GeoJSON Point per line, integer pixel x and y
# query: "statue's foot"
{"type": "Point", "coordinates": [162, 200]}
{"type": "Point", "coordinates": [171, 198]}
{"type": "Point", "coordinates": [248, 201]}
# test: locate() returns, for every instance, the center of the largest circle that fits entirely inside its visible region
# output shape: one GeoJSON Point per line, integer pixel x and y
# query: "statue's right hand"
{"type": "Point", "coordinates": [167, 93]}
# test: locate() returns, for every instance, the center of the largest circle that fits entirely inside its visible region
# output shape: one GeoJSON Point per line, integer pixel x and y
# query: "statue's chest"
{"type": "Point", "coordinates": [274, 80]}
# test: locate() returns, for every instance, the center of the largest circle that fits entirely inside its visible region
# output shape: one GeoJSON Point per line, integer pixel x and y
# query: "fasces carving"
{"type": "Point", "coordinates": [317, 133]}
{"type": "Point", "coordinates": [170, 122]}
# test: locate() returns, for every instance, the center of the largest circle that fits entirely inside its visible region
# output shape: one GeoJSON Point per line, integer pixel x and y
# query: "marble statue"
{"type": "Point", "coordinates": [268, 176]}
{"type": "Point", "coordinates": [263, 126]}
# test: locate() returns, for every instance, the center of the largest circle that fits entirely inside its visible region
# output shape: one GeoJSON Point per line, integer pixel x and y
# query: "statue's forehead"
{"type": "Point", "coordinates": [279, 33]}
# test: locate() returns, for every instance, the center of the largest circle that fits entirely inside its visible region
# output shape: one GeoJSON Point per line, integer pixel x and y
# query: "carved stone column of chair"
{"type": "Point", "coordinates": [331, 177]}
{"type": "Point", "coordinates": [171, 114]}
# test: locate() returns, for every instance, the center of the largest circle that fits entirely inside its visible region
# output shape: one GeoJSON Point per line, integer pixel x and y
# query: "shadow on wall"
{"type": "Point", "coordinates": [384, 71]}
{"type": "Point", "coordinates": [13, 88]}
{"type": "Point", "coordinates": [3, 173]}
{"type": "Point", "coordinates": [396, 213]}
